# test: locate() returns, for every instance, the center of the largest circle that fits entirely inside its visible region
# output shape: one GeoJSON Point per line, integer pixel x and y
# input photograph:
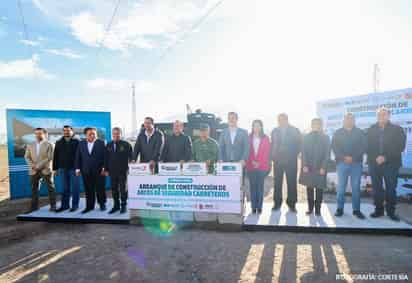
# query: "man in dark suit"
{"type": "Point", "coordinates": [89, 163]}
{"type": "Point", "coordinates": [178, 146]}
{"type": "Point", "coordinates": [386, 142]}
{"type": "Point", "coordinates": [118, 154]}
{"type": "Point", "coordinates": [286, 146]}
{"type": "Point", "coordinates": [63, 165]}
{"type": "Point", "coordinates": [148, 144]}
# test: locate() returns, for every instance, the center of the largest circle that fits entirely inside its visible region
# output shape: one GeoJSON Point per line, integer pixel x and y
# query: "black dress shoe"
{"type": "Point", "coordinates": [123, 209]}
{"type": "Point", "coordinates": [61, 209]}
{"type": "Point", "coordinates": [309, 212]}
{"type": "Point", "coordinates": [31, 210]}
{"type": "Point", "coordinates": [73, 209]}
{"type": "Point", "coordinates": [276, 207]}
{"type": "Point", "coordinates": [103, 207]}
{"type": "Point", "coordinates": [113, 210]}
{"type": "Point", "coordinates": [358, 214]}
{"type": "Point", "coordinates": [292, 209]}
{"type": "Point", "coordinates": [259, 211]}
{"type": "Point", "coordinates": [394, 217]}
{"type": "Point", "coordinates": [86, 210]}
{"type": "Point", "coordinates": [377, 214]}
{"type": "Point", "coordinates": [53, 209]}
{"type": "Point", "coordinates": [317, 212]}
{"type": "Point", "coordinates": [339, 212]}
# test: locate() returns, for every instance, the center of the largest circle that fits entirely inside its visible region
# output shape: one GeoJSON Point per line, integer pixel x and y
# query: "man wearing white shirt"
{"type": "Point", "coordinates": [232, 132]}
{"type": "Point", "coordinates": [90, 146]}
{"type": "Point", "coordinates": [234, 142]}
{"type": "Point", "coordinates": [39, 157]}
{"type": "Point", "coordinates": [89, 163]}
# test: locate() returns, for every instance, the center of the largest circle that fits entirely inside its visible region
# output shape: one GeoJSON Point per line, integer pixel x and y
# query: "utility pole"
{"type": "Point", "coordinates": [134, 130]}
{"type": "Point", "coordinates": [376, 78]}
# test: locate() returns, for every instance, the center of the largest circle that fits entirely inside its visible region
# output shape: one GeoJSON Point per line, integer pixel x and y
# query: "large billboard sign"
{"type": "Point", "coordinates": [364, 108]}
{"type": "Point", "coordinates": [20, 126]}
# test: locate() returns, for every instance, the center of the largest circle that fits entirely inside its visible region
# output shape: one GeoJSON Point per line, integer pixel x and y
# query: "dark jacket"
{"type": "Point", "coordinates": [65, 153]}
{"type": "Point", "coordinates": [116, 160]}
{"type": "Point", "coordinates": [148, 151]}
{"type": "Point", "coordinates": [177, 148]}
{"type": "Point", "coordinates": [349, 143]}
{"type": "Point", "coordinates": [90, 163]}
{"type": "Point", "coordinates": [394, 140]}
{"type": "Point", "coordinates": [287, 148]}
{"type": "Point", "coordinates": [237, 151]}
{"type": "Point", "coordinates": [315, 156]}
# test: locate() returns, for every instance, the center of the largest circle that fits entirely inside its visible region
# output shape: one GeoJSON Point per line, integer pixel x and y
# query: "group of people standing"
{"type": "Point", "coordinates": [92, 159]}
{"type": "Point", "coordinates": [383, 143]}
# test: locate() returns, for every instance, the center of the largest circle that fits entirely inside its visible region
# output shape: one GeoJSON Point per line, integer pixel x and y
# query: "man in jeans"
{"type": "Point", "coordinates": [63, 165]}
{"type": "Point", "coordinates": [39, 157]}
{"type": "Point", "coordinates": [348, 145]}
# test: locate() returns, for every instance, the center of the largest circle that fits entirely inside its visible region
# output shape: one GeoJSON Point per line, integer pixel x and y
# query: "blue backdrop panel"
{"type": "Point", "coordinates": [20, 125]}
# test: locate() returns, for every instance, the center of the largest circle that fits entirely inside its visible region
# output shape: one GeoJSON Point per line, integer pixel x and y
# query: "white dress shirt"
{"type": "Point", "coordinates": [90, 146]}
{"type": "Point", "coordinates": [232, 134]}
{"type": "Point", "coordinates": [148, 136]}
{"type": "Point", "coordinates": [38, 144]}
{"type": "Point", "coordinates": [256, 143]}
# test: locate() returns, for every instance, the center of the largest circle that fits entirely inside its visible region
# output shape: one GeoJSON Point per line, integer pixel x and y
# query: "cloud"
{"type": "Point", "coordinates": [86, 29]}
{"type": "Point", "coordinates": [147, 24]}
{"type": "Point", "coordinates": [25, 68]}
{"type": "Point", "coordinates": [65, 52]}
{"type": "Point", "coordinates": [40, 6]}
{"type": "Point", "coordinates": [115, 85]}
{"type": "Point", "coordinates": [29, 42]}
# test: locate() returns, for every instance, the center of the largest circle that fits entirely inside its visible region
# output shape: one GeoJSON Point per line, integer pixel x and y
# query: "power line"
{"type": "Point", "coordinates": [192, 28]}
{"type": "Point", "coordinates": [109, 25]}
{"type": "Point", "coordinates": [186, 34]}
{"type": "Point", "coordinates": [25, 30]}
{"type": "Point", "coordinates": [107, 30]}
{"type": "Point", "coordinates": [26, 34]}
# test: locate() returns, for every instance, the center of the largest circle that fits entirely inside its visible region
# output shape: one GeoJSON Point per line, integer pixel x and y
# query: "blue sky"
{"type": "Point", "coordinates": [255, 57]}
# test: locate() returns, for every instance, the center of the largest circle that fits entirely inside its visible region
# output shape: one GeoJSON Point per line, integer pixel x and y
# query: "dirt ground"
{"type": "Point", "coordinates": [52, 252]}
{"type": "Point", "coordinates": [116, 253]}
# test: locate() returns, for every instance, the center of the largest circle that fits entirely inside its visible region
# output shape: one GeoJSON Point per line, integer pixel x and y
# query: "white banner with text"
{"type": "Point", "coordinates": [216, 194]}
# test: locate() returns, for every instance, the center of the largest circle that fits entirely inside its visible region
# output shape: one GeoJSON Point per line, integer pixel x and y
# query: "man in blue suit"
{"type": "Point", "coordinates": [89, 163]}
{"type": "Point", "coordinates": [233, 142]}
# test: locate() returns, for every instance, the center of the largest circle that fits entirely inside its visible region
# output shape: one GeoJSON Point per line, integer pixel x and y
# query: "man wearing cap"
{"type": "Point", "coordinates": [205, 149]}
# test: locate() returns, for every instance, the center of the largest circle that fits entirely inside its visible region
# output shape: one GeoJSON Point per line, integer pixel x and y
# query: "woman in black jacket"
{"type": "Point", "coordinates": [315, 157]}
